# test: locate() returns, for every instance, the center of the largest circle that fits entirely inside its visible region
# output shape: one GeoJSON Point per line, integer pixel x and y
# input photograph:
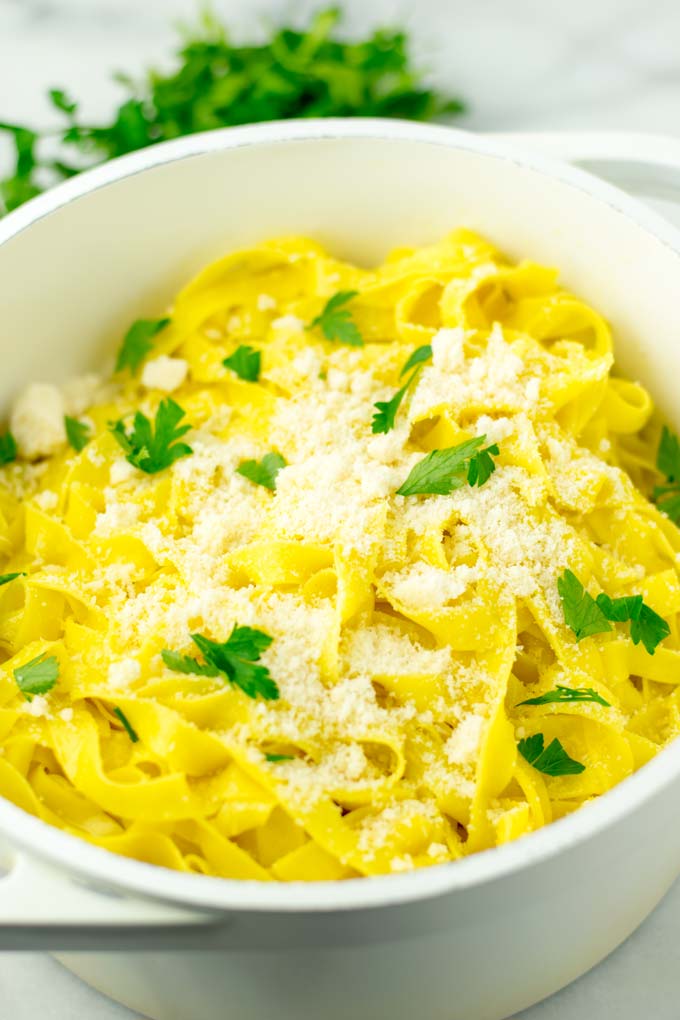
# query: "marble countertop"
{"type": "Point", "coordinates": [530, 65]}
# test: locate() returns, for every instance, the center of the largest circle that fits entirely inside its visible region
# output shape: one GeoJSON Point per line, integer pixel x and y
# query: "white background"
{"type": "Point", "coordinates": [522, 65]}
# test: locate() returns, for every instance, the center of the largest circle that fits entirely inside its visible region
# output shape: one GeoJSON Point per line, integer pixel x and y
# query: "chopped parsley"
{"type": "Point", "coordinates": [482, 465]}
{"type": "Point", "coordinates": [566, 694]}
{"type": "Point", "coordinates": [551, 761]}
{"type": "Point", "coordinates": [236, 659]}
{"type": "Point", "coordinates": [8, 448]}
{"type": "Point", "coordinates": [152, 448]}
{"type": "Point", "coordinates": [37, 676]}
{"type": "Point", "coordinates": [138, 342]}
{"type": "Point", "coordinates": [278, 757]}
{"type": "Point", "coordinates": [386, 410]}
{"type": "Point", "coordinates": [127, 725]}
{"type": "Point", "coordinates": [587, 615]}
{"type": "Point", "coordinates": [667, 496]}
{"type": "Point", "coordinates": [211, 82]}
{"type": "Point", "coordinates": [262, 472]}
{"type": "Point", "coordinates": [77, 433]}
{"type": "Point", "coordinates": [245, 362]}
{"type": "Point", "coordinates": [6, 578]}
{"type": "Point", "coordinates": [443, 471]}
{"type": "Point", "coordinates": [419, 356]}
{"type": "Point", "coordinates": [336, 322]}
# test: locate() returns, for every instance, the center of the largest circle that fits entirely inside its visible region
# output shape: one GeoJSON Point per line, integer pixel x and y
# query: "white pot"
{"type": "Point", "coordinates": [475, 940]}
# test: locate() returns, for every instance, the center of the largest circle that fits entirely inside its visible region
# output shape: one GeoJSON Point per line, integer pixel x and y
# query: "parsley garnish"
{"type": "Point", "coordinates": [236, 659]}
{"type": "Point", "coordinates": [127, 725]}
{"type": "Point", "coordinates": [151, 448]}
{"type": "Point", "coordinates": [668, 462]}
{"type": "Point", "coordinates": [386, 410]}
{"type": "Point", "coordinates": [278, 757]}
{"type": "Point", "coordinates": [245, 361]}
{"type": "Point", "coordinates": [553, 761]}
{"type": "Point", "coordinates": [587, 615]}
{"type": "Point", "coordinates": [214, 83]}
{"type": "Point", "coordinates": [77, 433]}
{"type": "Point", "coordinates": [8, 448]}
{"type": "Point", "coordinates": [137, 343]}
{"type": "Point", "coordinates": [336, 322]}
{"type": "Point", "coordinates": [262, 472]}
{"type": "Point", "coordinates": [37, 676]}
{"type": "Point", "coordinates": [6, 578]}
{"type": "Point", "coordinates": [581, 612]}
{"type": "Point", "coordinates": [443, 471]}
{"type": "Point", "coordinates": [562, 693]}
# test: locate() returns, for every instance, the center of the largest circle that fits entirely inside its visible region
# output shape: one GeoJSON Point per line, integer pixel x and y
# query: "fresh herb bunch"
{"type": "Point", "coordinates": [296, 73]}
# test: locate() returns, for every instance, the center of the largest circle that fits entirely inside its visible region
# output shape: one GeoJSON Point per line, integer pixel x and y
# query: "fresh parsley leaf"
{"type": "Point", "coordinates": [37, 676]}
{"type": "Point", "coordinates": [138, 342]}
{"type": "Point", "coordinates": [581, 612]}
{"type": "Point", "coordinates": [336, 322]}
{"type": "Point", "coordinates": [6, 578]}
{"type": "Point", "coordinates": [419, 356]}
{"type": "Point", "coordinates": [645, 625]}
{"type": "Point", "coordinates": [127, 725]}
{"type": "Point", "coordinates": [565, 694]}
{"type": "Point", "coordinates": [236, 659]}
{"type": "Point", "coordinates": [262, 472]}
{"type": "Point", "coordinates": [668, 462]}
{"type": "Point", "coordinates": [482, 465]}
{"type": "Point", "coordinates": [386, 411]}
{"type": "Point", "coordinates": [278, 757]}
{"type": "Point", "coordinates": [77, 433]}
{"type": "Point", "coordinates": [553, 761]}
{"type": "Point", "coordinates": [441, 471]}
{"type": "Point", "coordinates": [245, 361]}
{"type": "Point", "coordinates": [152, 448]}
{"type": "Point", "coordinates": [8, 448]}
{"type": "Point", "coordinates": [62, 102]}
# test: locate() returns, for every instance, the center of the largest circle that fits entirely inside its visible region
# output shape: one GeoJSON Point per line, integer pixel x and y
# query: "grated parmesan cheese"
{"type": "Point", "coordinates": [164, 373]}
{"type": "Point", "coordinates": [37, 421]}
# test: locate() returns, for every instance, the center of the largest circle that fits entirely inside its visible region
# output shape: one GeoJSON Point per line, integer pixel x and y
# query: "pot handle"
{"type": "Point", "coordinates": [42, 908]}
{"type": "Point", "coordinates": [647, 166]}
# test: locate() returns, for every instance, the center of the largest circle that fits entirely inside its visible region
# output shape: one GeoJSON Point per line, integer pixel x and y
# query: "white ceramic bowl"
{"type": "Point", "coordinates": [476, 940]}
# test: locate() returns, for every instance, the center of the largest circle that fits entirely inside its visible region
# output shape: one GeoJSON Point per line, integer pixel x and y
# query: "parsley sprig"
{"type": "Point", "coordinates": [386, 410]}
{"type": "Point", "coordinates": [335, 320]}
{"type": "Point", "coordinates": [245, 362]}
{"type": "Point", "coordinates": [443, 471]}
{"type": "Point", "coordinates": [552, 760]}
{"type": "Point", "coordinates": [8, 448]}
{"type": "Point", "coordinates": [153, 447]}
{"type": "Point", "coordinates": [236, 659]}
{"type": "Point", "coordinates": [6, 578]}
{"type": "Point", "coordinates": [566, 694]}
{"type": "Point", "coordinates": [667, 496]}
{"type": "Point", "coordinates": [586, 615]}
{"type": "Point", "coordinates": [138, 343]}
{"type": "Point", "coordinates": [127, 725]}
{"type": "Point", "coordinates": [77, 433]}
{"type": "Point", "coordinates": [37, 676]}
{"type": "Point", "coordinates": [262, 472]}
{"type": "Point", "coordinates": [307, 72]}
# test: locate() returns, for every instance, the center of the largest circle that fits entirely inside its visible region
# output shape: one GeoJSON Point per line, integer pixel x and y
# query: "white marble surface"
{"type": "Point", "coordinates": [526, 65]}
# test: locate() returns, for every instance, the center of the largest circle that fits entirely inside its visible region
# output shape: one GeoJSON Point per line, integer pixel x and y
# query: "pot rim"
{"type": "Point", "coordinates": [73, 854]}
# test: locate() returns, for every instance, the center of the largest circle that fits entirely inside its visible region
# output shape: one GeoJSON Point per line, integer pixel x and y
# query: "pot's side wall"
{"type": "Point", "coordinates": [481, 954]}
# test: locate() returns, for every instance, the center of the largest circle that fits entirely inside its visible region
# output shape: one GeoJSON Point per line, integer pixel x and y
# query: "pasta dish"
{"type": "Point", "coordinates": [338, 572]}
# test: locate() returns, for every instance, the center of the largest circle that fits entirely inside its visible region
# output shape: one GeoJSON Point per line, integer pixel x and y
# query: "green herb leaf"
{"type": "Point", "coordinates": [236, 659]}
{"type": "Point", "coordinates": [645, 625]}
{"type": "Point", "coordinates": [77, 433]}
{"type": "Point", "coordinates": [278, 757]}
{"type": "Point", "coordinates": [152, 448]}
{"type": "Point", "coordinates": [336, 322]}
{"type": "Point", "coordinates": [581, 611]}
{"type": "Point", "coordinates": [566, 694]}
{"type": "Point", "coordinates": [62, 102]}
{"type": "Point", "coordinates": [262, 472]}
{"type": "Point", "coordinates": [126, 725]}
{"type": "Point", "coordinates": [6, 578]}
{"type": "Point", "coordinates": [553, 761]}
{"type": "Point", "coordinates": [138, 342]}
{"type": "Point", "coordinates": [668, 462]}
{"type": "Point", "coordinates": [441, 471]}
{"type": "Point", "coordinates": [37, 676]}
{"type": "Point", "coordinates": [482, 465]}
{"type": "Point", "coordinates": [245, 361]}
{"type": "Point", "coordinates": [8, 448]}
{"type": "Point", "coordinates": [419, 356]}
{"type": "Point", "coordinates": [386, 411]}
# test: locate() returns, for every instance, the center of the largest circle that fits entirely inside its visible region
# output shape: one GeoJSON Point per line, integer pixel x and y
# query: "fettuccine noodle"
{"type": "Point", "coordinates": [406, 630]}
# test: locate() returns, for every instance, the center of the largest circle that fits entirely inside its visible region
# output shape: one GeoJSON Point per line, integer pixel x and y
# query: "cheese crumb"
{"type": "Point", "coordinates": [123, 672]}
{"type": "Point", "coordinates": [37, 707]}
{"type": "Point", "coordinates": [164, 373]}
{"type": "Point", "coordinates": [265, 302]}
{"type": "Point", "coordinates": [37, 421]}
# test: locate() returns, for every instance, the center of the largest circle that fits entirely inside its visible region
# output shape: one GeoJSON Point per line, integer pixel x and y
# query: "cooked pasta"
{"type": "Point", "coordinates": [378, 586]}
